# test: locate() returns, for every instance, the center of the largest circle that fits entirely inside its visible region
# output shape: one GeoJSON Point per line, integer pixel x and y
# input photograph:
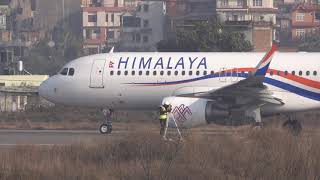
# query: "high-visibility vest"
{"type": "Point", "coordinates": [163, 117]}
{"type": "Point", "coordinates": [163, 113]}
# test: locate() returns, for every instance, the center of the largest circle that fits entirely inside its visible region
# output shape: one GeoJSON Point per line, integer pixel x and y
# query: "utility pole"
{"type": "Point", "coordinates": [63, 9]}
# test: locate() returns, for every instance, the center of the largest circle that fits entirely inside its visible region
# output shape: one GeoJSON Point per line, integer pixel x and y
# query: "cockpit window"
{"type": "Point", "coordinates": [64, 71]}
{"type": "Point", "coordinates": [71, 71]}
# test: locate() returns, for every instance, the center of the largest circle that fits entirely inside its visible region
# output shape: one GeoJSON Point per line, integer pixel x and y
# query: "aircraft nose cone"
{"type": "Point", "coordinates": [44, 90]}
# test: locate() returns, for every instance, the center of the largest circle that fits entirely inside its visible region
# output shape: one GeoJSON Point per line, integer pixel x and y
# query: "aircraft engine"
{"type": "Point", "coordinates": [193, 112]}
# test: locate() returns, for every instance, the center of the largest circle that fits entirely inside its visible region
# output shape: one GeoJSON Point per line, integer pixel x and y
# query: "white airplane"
{"type": "Point", "coordinates": [201, 87]}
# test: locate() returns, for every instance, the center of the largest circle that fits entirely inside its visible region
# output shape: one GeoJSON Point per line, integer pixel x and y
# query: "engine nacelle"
{"type": "Point", "coordinates": [188, 112]}
{"type": "Point", "coordinates": [192, 112]}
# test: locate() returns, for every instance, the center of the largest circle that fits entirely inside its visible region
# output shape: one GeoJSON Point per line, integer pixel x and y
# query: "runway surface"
{"type": "Point", "coordinates": [48, 137]}
{"type": "Point", "coordinates": [13, 138]}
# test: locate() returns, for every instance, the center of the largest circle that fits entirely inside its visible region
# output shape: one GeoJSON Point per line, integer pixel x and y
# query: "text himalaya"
{"type": "Point", "coordinates": [162, 63]}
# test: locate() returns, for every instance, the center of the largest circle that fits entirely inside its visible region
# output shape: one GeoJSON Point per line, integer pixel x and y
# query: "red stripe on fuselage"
{"type": "Point", "coordinates": [298, 79]}
{"type": "Point", "coordinates": [289, 76]}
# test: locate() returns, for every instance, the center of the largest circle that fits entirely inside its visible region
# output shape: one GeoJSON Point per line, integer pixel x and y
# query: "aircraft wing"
{"type": "Point", "coordinates": [248, 91]}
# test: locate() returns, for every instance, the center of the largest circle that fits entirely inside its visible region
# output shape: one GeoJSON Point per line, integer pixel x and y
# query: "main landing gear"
{"type": "Point", "coordinates": [255, 114]}
{"type": "Point", "coordinates": [292, 125]}
{"type": "Point", "coordinates": [106, 128]}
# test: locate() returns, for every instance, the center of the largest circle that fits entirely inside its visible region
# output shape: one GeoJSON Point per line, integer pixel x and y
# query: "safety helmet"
{"type": "Point", "coordinates": [166, 103]}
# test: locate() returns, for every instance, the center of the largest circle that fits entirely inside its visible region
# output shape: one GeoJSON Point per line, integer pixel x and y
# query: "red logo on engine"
{"type": "Point", "coordinates": [111, 64]}
{"type": "Point", "coordinates": [181, 113]}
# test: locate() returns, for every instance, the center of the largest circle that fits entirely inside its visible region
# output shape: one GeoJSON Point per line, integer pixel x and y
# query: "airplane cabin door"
{"type": "Point", "coordinates": [97, 71]}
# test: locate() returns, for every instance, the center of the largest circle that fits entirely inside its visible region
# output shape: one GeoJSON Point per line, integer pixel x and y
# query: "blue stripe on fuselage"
{"type": "Point", "coordinates": [285, 86]}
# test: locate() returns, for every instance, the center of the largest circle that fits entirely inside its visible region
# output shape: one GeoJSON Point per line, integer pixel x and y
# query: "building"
{"type": "Point", "coordinates": [284, 21]}
{"type": "Point", "coordinates": [183, 13]}
{"type": "Point", "coordinates": [20, 93]}
{"type": "Point", "coordinates": [143, 27]}
{"type": "Point", "coordinates": [101, 24]}
{"type": "Point", "coordinates": [5, 34]}
{"type": "Point", "coordinates": [4, 11]}
{"type": "Point", "coordinates": [305, 19]}
{"type": "Point", "coordinates": [256, 18]}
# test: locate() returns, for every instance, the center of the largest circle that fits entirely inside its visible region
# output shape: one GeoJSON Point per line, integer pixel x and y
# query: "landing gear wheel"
{"type": "Point", "coordinates": [257, 125]}
{"type": "Point", "coordinates": [293, 126]}
{"type": "Point", "coordinates": [105, 129]}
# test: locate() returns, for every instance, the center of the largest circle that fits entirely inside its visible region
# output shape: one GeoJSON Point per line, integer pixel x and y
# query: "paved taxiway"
{"type": "Point", "coordinates": [62, 137]}
{"type": "Point", "coordinates": [11, 138]}
{"type": "Point", "coordinates": [47, 137]}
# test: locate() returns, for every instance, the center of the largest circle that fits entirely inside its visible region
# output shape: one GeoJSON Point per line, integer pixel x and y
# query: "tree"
{"type": "Point", "coordinates": [42, 59]}
{"type": "Point", "coordinates": [206, 37]}
{"type": "Point", "coordinates": [311, 42]}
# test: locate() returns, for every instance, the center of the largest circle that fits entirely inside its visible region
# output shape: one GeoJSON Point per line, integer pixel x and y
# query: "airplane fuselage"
{"type": "Point", "coordinates": [139, 81]}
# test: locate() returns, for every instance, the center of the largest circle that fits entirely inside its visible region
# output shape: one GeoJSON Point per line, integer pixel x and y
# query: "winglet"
{"type": "Point", "coordinates": [264, 64]}
{"type": "Point", "coordinates": [111, 50]}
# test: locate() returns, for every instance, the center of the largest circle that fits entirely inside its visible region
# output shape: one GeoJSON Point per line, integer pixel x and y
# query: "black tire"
{"type": "Point", "coordinates": [105, 129]}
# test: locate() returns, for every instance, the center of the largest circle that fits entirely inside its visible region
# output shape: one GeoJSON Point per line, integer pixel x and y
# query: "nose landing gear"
{"type": "Point", "coordinates": [106, 128]}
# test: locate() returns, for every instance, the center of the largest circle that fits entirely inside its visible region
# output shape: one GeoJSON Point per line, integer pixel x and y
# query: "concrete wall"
{"type": "Point", "coordinates": [12, 103]}
{"type": "Point", "coordinates": [20, 103]}
{"type": "Point", "coordinates": [101, 18]}
{"type": "Point", "coordinates": [113, 3]}
{"type": "Point", "coordinates": [265, 4]}
{"type": "Point", "coordinates": [22, 80]}
{"type": "Point", "coordinates": [262, 38]}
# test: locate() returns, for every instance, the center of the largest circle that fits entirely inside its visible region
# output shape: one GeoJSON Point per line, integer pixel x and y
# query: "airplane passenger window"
{"type": "Point", "coordinates": [176, 73]}
{"type": "Point", "coordinates": [308, 73]}
{"type": "Point", "coordinates": [154, 73]}
{"type": "Point", "coordinates": [205, 73]}
{"type": "Point", "coordinates": [169, 73]}
{"type": "Point", "coordinates": [300, 73]}
{"type": "Point", "coordinates": [119, 73]}
{"type": "Point", "coordinates": [126, 73]}
{"type": "Point", "coordinates": [293, 72]}
{"type": "Point", "coordinates": [198, 73]}
{"type": "Point", "coordinates": [278, 73]}
{"type": "Point", "coordinates": [190, 73]}
{"type": "Point", "coordinates": [271, 73]}
{"type": "Point", "coordinates": [111, 73]}
{"type": "Point", "coordinates": [161, 73]}
{"type": "Point", "coordinates": [147, 73]}
{"type": "Point", "coordinates": [140, 73]}
{"type": "Point", "coordinates": [133, 73]}
{"type": "Point", "coordinates": [64, 71]}
{"type": "Point", "coordinates": [314, 73]}
{"type": "Point", "coordinates": [71, 72]}
{"type": "Point", "coordinates": [183, 73]}
{"type": "Point", "coordinates": [286, 73]}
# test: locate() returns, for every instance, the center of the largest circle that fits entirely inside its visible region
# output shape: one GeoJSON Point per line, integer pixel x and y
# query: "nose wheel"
{"type": "Point", "coordinates": [105, 129]}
